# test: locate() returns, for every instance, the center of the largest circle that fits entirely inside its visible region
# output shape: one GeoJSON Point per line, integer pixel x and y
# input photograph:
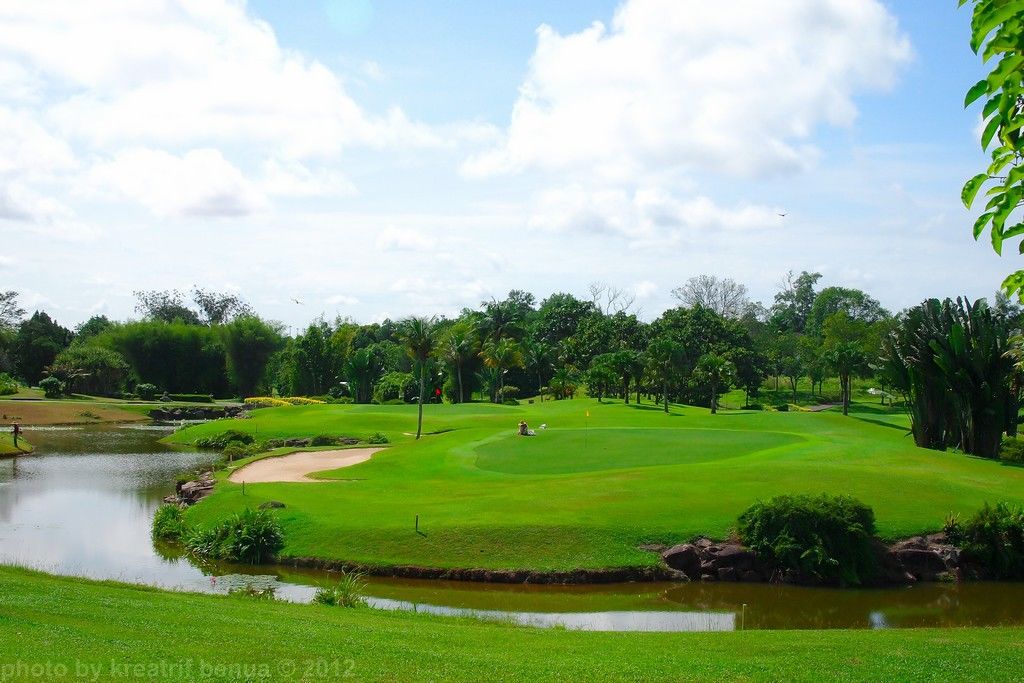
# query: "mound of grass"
{"type": "Point", "coordinates": [569, 499]}
{"type": "Point", "coordinates": [593, 450]}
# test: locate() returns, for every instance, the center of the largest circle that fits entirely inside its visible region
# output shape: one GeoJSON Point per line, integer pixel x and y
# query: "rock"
{"type": "Point", "coordinates": [728, 574]}
{"type": "Point", "coordinates": [732, 556]}
{"type": "Point", "coordinates": [750, 576]}
{"type": "Point", "coordinates": [272, 505]}
{"type": "Point", "coordinates": [708, 577]}
{"type": "Point", "coordinates": [296, 443]}
{"type": "Point", "coordinates": [684, 558]}
{"type": "Point", "coordinates": [924, 565]}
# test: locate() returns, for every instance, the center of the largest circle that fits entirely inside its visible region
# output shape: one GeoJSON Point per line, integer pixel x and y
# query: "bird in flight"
{"type": "Point", "coordinates": [297, 301]}
{"type": "Point", "coordinates": [783, 215]}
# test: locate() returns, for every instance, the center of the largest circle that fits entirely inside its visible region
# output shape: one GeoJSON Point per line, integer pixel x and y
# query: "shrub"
{"type": "Point", "coordinates": [344, 400]}
{"type": "Point", "coordinates": [302, 401]}
{"type": "Point", "coordinates": [236, 450]}
{"type": "Point", "coordinates": [378, 438]}
{"type": "Point", "coordinates": [993, 539]}
{"type": "Point", "coordinates": [828, 538]}
{"type": "Point", "coordinates": [753, 406]}
{"type": "Point", "coordinates": [169, 523]}
{"type": "Point", "coordinates": [7, 385]}
{"type": "Point", "coordinates": [250, 536]}
{"type": "Point", "coordinates": [265, 402]}
{"type": "Point", "coordinates": [325, 440]}
{"type": "Point", "coordinates": [52, 387]}
{"type": "Point", "coordinates": [221, 441]}
{"type": "Point", "coordinates": [1012, 450]}
{"type": "Point", "coordinates": [146, 391]}
{"type": "Point", "coordinates": [191, 398]}
{"type": "Point", "coordinates": [90, 369]}
{"type": "Point", "coordinates": [348, 592]}
{"type": "Point", "coordinates": [782, 407]}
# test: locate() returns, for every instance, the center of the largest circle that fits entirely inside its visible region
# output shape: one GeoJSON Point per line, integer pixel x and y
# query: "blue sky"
{"type": "Point", "coordinates": [378, 159]}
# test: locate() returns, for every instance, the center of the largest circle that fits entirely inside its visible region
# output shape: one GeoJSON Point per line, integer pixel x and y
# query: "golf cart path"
{"type": "Point", "coordinates": [297, 466]}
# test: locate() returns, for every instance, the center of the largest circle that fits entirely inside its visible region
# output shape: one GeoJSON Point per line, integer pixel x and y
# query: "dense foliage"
{"type": "Point", "coordinates": [250, 536]}
{"type": "Point", "coordinates": [827, 538]}
{"type": "Point", "coordinates": [992, 539]}
{"type": "Point", "coordinates": [952, 361]}
{"type": "Point", "coordinates": [90, 369]}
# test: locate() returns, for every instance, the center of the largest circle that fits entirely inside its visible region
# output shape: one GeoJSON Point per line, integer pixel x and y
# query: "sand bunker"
{"type": "Point", "coordinates": [297, 466]}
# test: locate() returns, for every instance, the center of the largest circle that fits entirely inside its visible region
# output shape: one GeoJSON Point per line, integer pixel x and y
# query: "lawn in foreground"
{"type": "Point", "coordinates": [113, 631]}
{"type": "Point", "coordinates": [587, 491]}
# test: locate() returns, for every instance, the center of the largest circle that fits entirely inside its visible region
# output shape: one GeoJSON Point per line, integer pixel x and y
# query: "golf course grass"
{"type": "Point", "coordinates": [598, 482]}
{"type": "Point", "coordinates": [7, 445]}
{"type": "Point", "coordinates": [56, 628]}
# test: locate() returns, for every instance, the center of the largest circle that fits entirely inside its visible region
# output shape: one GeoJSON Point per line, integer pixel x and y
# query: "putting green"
{"type": "Point", "coordinates": [568, 451]}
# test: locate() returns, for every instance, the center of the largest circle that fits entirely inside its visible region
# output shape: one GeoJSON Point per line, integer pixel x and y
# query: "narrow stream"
{"type": "Point", "coordinates": [82, 506]}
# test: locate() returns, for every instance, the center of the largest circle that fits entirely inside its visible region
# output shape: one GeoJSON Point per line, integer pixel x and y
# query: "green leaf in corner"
{"type": "Point", "coordinates": [971, 188]}
{"type": "Point", "coordinates": [979, 225]}
{"type": "Point", "coordinates": [990, 130]}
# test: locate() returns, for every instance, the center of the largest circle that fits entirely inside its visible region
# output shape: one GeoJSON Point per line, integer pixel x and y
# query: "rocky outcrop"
{"type": "Point", "coordinates": [175, 414]}
{"type": "Point", "coordinates": [922, 558]}
{"type": "Point", "coordinates": [191, 492]}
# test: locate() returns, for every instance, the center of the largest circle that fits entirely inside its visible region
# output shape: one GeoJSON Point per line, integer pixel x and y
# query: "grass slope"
{"type": "Point", "coordinates": [7, 445]}
{"type": "Point", "coordinates": [73, 629]}
{"type": "Point", "coordinates": [586, 491]}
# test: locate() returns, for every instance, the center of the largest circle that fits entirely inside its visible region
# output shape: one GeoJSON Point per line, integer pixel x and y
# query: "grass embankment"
{"type": "Point", "coordinates": [65, 412]}
{"type": "Point", "coordinates": [74, 629]}
{"type": "Point", "coordinates": [7, 445]}
{"type": "Point", "coordinates": [587, 491]}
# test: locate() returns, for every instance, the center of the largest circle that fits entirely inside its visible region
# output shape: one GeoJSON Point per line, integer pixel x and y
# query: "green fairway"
{"type": "Point", "coordinates": [587, 491]}
{"type": "Point", "coordinates": [70, 629]}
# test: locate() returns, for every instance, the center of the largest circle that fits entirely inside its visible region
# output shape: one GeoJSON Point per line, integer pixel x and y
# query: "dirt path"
{"type": "Point", "coordinates": [296, 467]}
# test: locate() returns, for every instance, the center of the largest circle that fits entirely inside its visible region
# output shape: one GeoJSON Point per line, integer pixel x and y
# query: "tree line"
{"type": "Point", "coordinates": [717, 339]}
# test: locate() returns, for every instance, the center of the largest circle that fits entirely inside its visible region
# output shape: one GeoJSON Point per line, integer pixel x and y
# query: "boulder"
{"type": "Point", "coordinates": [750, 576]}
{"type": "Point", "coordinates": [684, 558]}
{"type": "Point", "coordinates": [728, 574]}
{"type": "Point", "coordinates": [924, 565]}
{"type": "Point", "coordinates": [732, 556]}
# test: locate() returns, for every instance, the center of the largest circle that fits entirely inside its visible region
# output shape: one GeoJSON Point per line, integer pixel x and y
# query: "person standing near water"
{"type": "Point", "coordinates": [16, 431]}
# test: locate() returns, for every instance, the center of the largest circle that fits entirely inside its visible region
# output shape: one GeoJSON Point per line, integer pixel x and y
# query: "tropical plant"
{"type": "Point", "coordinates": [419, 338]}
{"type": "Point", "coordinates": [457, 347]}
{"type": "Point", "coordinates": [52, 387]}
{"type": "Point", "coordinates": [846, 358]}
{"type": "Point", "coordinates": [538, 358]}
{"type": "Point", "coordinates": [169, 523]}
{"type": "Point", "coordinates": [992, 539]}
{"type": "Point", "coordinates": [249, 342]}
{"type": "Point", "coordinates": [250, 536]}
{"type": "Point", "coordinates": [502, 356]}
{"type": "Point", "coordinates": [347, 592]}
{"type": "Point", "coordinates": [827, 538]}
{"type": "Point", "coordinates": [996, 30]}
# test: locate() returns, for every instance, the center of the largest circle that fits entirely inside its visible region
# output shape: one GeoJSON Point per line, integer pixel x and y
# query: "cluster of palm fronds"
{"type": "Point", "coordinates": [954, 361]}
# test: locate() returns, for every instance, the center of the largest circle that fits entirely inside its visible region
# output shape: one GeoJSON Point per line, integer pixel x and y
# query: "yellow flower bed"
{"type": "Point", "coordinates": [302, 401]}
{"type": "Point", "coordinates": [265, 402]}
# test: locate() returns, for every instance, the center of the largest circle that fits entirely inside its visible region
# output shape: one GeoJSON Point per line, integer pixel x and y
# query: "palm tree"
{"type": "Point", "coordinates": [847, 358]}
{"type": "Point", "coordinates": [502, 356]}
{"type": "Point", "coordinates": [715, 371]}
{"type": "Point", "coordinates": [664, 357]}
{"type": "Point", "coordinates": [418, 336]}
{"type": "Point", "coordinates": [457, 346]}
{"type": "Point", "coordinates": [537, 358]}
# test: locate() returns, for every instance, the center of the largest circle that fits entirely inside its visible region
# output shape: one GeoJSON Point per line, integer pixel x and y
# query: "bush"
{"type": "Point", "coordinates": [302, 401]}
{"type": "Point", "coordinates": [169, 523]}
{"type": "Point", "coordinates": [236, 451]}
{"type": "Point", "coordinates": [52, 387]}
{"type": "Point", "coordinates": [7, 385]}
{"type": "Point", "coordinates": [191, 398]}
{"type": "Point", "coordinates": [348, 592]}
{"type": "Point", "coordinates": [147, 392]}
{"type": "Point", "coordinates": [378, 438]}
{"type": "Point", "coordinates": [827, 538]}
{"type": "Point", "coordinates": [90, 369]}
{"type": "Point", "coordinates": [221, 441]}
{"type": "Point", "coordinates": [251, 536]}
{"type": "Point", "coordinates": [782, 407]}
{"type": "Point", "coordinates": [992, 539]}
{"type": "Point", "coordinates": [755, 406]}
{"type": "Point", "coordinates": [265, 402]}
{"type": "Point", "coordinates": [1012, 450]}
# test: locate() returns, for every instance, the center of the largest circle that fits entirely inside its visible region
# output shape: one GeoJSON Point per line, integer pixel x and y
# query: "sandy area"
{"type": "Point", "coordinates": [297, 466]}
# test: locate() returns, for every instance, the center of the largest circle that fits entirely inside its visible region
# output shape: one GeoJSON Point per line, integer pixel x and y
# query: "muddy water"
{"type": "Point", "coordinates": [82, 505]}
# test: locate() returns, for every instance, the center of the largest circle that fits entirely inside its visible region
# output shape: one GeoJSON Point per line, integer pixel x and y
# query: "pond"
{"type": "Point", "coordinates": [82, 505]}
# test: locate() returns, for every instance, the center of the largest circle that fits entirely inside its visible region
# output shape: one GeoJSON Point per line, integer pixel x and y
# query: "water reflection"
{"type": "Point", "coordinates": [83, 504]}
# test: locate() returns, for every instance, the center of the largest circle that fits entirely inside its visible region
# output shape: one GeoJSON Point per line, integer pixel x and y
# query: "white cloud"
{"type": "Point", "coordinates": [644, 289]}
{"type": "Point", "coordinates": [342, 299]}
{"type": "Point", "coordinates": [404, 239]}
{"type": "Point", "coordinates": [648, 216]}
{"type": "Point", "coordinates": [185, 73]}
{"type": "Point", "coordinates": [200, 183]}
{"type": "Point", "coordinates": [695, 85]}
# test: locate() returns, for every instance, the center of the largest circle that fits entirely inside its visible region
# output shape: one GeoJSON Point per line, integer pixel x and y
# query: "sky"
{"type": "Point", "coordinates": [375, 159]}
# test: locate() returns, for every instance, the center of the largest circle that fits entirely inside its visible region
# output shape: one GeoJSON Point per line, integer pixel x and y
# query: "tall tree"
{"type": "Point", "coordinates": [165, 306]}
{"type": "Point", "coordinates": [10, 312]}
{"type": "Point", "coordinates": [538, 359]}
{"type": "Point", "coordinates": [419, 338]}
{"type": "Point", "coordinates": [220, 307]}
{"type": "Point", "coordinates": [724, 296]}
{"type": "Point", "coordinates": [855, 303]}
{"type": "Point", "coordinates": [794, 301]}
{"type": "Point", "coordinates": [502, 356]}
{"type": "Point", "coordinates": [457, 347]}
{"type": "Point", "coordinates": [664, 360]}
{"type": "Point", "coordinates": [249, 342]}
{"type": "Point", "coordinates": [716, 372]}
{"type": "Point", "coordinates": [996, 30]}
{"type": "Point", "coordinates": [39, 341]}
